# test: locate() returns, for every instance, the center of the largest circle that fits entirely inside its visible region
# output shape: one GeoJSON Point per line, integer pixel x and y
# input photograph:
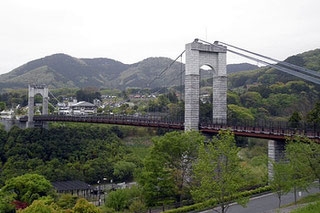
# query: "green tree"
{"type": "Point", "coordinates": [167, 168]}
{"type": "Point", "coordinates": [6, 199]}
{"type": "Point", "coordinates": [137, 206]}
{"type": "Point", "coordinates": [2, 105]}
{"type": "Point", "coordinates": [39, 206]}
{"type": "Point", "coordinates": [28, 187]}
{"type": "Point", "coordinates": [83, 206]}
{"type": "Point", "coordinates": [122, 199]}
{"type": "Point", "coordinates": [239, 114]}
{"type": "Point", "coordinates": [123, 170]}
{"type": "Point", "coordinates": [67, 201]}
{"type": "Point", "coordinates": [304, 156]}
{"type": "Point", "coordinates": [294, 120]}
{"type": "Point", "coordinates": [280, 182]}
{"type": "Point", "coordinates": [117, 200]}
{"type": "Point", "coordinates": [219, 172]}
{"type": "Point", "coordinates": [251, 99]}
{"type": "Point", "coordinates": [314, 114]}
{"type": "Point", "coordinates": [299, 173]}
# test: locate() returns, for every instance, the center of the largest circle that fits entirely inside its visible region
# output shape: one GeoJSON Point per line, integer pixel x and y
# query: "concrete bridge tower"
{"type": "Point", "coordinates": [197, 55]}
{"type": "Point", "coordinates": [34, 90]}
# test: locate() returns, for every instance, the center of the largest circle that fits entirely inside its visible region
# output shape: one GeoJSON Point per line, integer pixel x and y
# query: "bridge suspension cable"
{"type": "Point", "coordinates": [283, 69]}
{"type": "Point", "coordinates": [165, 69]}
{"type": "Point", "coordinates": [302, 69]}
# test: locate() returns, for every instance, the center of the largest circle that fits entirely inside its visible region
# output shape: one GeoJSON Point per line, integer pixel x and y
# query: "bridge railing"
{"type": "Point", "coordinates": [114, 119]}
{"type": "Point", "coordinates": [266, 127]}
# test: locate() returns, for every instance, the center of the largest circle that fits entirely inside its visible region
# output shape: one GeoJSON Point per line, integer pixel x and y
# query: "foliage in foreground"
{"type": "Point", "coordinates": [219, 172]}
{"type": "Point", "coordinates": [167, 168]}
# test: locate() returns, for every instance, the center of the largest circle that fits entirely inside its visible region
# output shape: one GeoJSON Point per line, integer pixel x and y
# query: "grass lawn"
{"type": "Point", "coordinates": [307, 199]}
{"type": "Point", "coordinates": [311, 208]}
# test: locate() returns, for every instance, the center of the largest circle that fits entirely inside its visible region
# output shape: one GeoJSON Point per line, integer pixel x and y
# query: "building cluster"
{"type": "Point", "coordinates": [77, 108]}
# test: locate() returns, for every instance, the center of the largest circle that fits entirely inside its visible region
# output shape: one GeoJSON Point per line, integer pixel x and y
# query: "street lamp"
{"type": "Point", "coordinates": [99, 201]}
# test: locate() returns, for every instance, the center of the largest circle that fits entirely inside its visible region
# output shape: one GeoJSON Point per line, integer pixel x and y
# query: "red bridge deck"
{"type": "Point", "coordinates": [266, 132]}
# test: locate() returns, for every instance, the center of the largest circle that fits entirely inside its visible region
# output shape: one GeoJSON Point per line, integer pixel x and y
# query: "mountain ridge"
{"type": "Point", "coordinates": [61, 70]}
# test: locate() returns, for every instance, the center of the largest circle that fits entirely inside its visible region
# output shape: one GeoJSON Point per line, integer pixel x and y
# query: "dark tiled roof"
{"type": "Point", "coordinates": [71, 185]}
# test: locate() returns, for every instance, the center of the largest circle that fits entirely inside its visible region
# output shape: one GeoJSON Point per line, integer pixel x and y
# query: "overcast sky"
{"type": "Point", "coordinates": [132, 30]}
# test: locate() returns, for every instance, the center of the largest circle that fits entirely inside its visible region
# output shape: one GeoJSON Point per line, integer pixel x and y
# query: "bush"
{"type": "Point", "coordinates": [137, 206]}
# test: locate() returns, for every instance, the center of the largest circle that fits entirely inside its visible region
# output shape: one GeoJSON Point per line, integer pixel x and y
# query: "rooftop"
{"type": "Point", "coordinates": [71, 185]}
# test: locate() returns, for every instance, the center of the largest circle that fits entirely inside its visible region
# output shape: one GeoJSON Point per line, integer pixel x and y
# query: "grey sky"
{"type": "Point", "coordinates": [132, 30]}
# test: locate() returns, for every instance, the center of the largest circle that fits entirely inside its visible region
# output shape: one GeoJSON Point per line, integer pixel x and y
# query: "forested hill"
{"type": "Point", "coordinates": [268, 93]}
{"type": "Point", "coordinates": [64, 71]}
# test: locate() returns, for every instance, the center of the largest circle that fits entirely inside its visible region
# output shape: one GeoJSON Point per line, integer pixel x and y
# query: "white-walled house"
{"type": "Point", "coordinates": [83, 108]}
{"type": "Point", "coordinates": [7, 114]}
{"type": "Point", "coordinates": [76, 108]}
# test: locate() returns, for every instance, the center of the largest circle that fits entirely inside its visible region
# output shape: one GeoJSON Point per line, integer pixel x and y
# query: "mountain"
{"type": "Point", "coordinates": [61, 71]}
{"type": "Point", "coordinates": [269, 76]}
{"type": "Point", "coordinates": [267, 93]}
{"type": "Point", "coordinates": [234, 68]}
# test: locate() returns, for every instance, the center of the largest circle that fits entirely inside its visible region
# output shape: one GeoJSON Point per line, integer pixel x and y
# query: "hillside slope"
{"type": "Point", "coordinates": [64, 71]}
{"type": "Point", "coordinates": [269, 93]}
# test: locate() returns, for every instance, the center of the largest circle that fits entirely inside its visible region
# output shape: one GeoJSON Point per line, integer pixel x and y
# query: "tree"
{"type": "Point", "coordinates": [305, 158]}
{"type": "Point", "coordinates": [295, 119]}
{"type": "Point", "coordinates": [6, 205]}
{"type": "Point", "coordinates": [239, 114]}
{"type": "Point", "coordinates": [83, 206]}
{"type": "Point", "coordinates": [2, 105]}
{"type": "Point", "coordinates": [28, 187]}
{"type": "Point", "coordinates": [67, 201]}
{"type": "Point", "coordinates": [123, 170]}
{"type": "Point", "coordinates": [117, 200]}
{"type": "Point", "coordinates": [299, 173]}
{"type": "Point", "coordinates": [123, 199]}
{"type": "Point", "coordinates": [251, 99]}
{"type": "Point", "coordinates": [218, 171]}
{"type": "Point", "coordinates": [280, 182]}
{"type": "Point", "coordinates": [39, 206]}
{"type": "Point", "coordinates": [167, 168]}
{"type": "Point", "coordinates": [314, 114]}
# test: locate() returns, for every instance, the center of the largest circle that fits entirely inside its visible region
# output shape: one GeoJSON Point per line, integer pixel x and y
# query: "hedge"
{"type": "Point", "coordinates": [213, 202]}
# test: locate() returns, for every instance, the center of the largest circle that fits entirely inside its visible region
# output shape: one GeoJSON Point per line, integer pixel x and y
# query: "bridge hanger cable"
{"type": "Point", "coordinates": [283, 69]}
{"type": "Point", "coordinates": [165, 69]}
{"type": "Point", "coordinates": [302, 69]}
{"type": "Point", "coordinates": [42, 97]}
{"type": "Point", "coordinates": [53, 96]}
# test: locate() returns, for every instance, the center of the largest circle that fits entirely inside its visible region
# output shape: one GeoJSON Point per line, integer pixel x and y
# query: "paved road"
{"type": "Point", "coordinates": [264, 203]}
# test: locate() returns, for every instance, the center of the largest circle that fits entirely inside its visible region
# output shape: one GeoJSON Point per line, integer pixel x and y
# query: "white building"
{"type": "Point", "coordinates": [83, 108]}
{"type": "Point", "coordinates": [7, 114]}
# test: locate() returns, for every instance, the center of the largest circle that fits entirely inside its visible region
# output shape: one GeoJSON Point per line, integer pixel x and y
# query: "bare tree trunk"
{"type": "Point", "coordinates": [279, 196]}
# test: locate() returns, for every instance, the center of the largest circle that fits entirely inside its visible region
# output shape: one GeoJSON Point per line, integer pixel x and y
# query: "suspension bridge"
{"type": "Point", "coordinates": [197, 54]}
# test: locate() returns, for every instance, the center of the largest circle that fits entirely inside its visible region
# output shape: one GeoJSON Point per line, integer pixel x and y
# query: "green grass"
{"type": "Point", "coordinates": [307, 199]}
{"type": "Point", "coordinates": [311, 208]}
